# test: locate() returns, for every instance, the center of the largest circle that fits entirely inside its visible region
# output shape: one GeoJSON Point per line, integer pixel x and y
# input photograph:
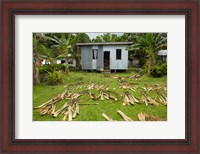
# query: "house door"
{"type": "Point", "coordinates": [106, 59]}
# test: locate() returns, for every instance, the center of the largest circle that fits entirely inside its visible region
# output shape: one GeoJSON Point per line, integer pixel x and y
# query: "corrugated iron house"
{"type": "Point", "coordinates": [107, 55]}
{"type": "Point", "coordinates": [162, 55]}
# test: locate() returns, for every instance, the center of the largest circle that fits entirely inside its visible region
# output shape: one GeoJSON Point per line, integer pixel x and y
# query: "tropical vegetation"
{"type": "Point", "coordinates": [55, 46]}
{"type": "Point", "coordinates": [146, 46]}
{"type": "Point", "coordinates": [65, 92]}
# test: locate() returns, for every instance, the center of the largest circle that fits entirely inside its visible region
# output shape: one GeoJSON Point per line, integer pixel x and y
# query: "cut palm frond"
{"type": "Point", "coordinates": [106, 117]}
{"type": "Point", "coordinates": [124, 116]}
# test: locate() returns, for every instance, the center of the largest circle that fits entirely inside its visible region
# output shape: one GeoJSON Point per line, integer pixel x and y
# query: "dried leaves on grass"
{"type": "Point", "coordinates": [71, 108]}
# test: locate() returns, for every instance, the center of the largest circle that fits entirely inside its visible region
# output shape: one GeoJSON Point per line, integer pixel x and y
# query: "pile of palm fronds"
{"type": "Point", "coordinates": [92, 95]}
{"type": "Point", "coordinates": [129, 99]}
{"type": "Point", "coordinates": [97, 86]}
{"type": "Point", "coordinates": [127, 86]}
{"type": "Point", "coordinates": [145, 116]}
{"type": "Point", "coordinates": [122, 79]}
{"type": "Point", "coordinates": [75, 86]}
{"type": "Point", "coordinates": [162, 97]}
{"type": "Point", "coordinates": [159, 90]}
{"type": "Point", "coordinates": [50, 106]}
{"type": "Point", "coordinates": [97, 91]}
{"type": "Point", "coordinates": [154, 87]}
{"type": "Point", "coordinates": [148, 100]}
{"type": "Point", "coordinates": [105, 95]}
{"type": "Point", "coordinates": [69, 110]}
{"type": "Point", "coordinates": [72, 95]}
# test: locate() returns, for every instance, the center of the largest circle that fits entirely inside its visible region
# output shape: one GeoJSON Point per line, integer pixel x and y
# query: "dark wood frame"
{"type": "Point", "coordinates": [10, 8]}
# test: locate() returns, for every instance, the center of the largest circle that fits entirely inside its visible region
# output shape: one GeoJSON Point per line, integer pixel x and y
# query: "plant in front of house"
{"type": "Point", "coordinates": [55, 77]}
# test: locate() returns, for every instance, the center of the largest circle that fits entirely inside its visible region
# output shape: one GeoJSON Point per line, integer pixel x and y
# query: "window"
{"type": "Point", "coordinates": [118, 53]}
{"type": "Point", "coordinates": [95, 54]}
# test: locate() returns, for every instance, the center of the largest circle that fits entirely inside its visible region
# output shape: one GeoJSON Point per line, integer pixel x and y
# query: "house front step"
{"type": "Point", "coordinates": [107, 71]}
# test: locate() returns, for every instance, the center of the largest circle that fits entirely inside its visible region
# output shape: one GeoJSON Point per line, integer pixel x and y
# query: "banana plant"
{"type": "Point", "coordinates": [63, 46]}
{"type": "Point", "coordinates": [39, 52]}
{"type": "Point", "coordinates": [148, 44]}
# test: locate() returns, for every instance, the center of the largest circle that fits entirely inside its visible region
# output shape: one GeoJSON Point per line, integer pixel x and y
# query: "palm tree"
{"type": "Point", "coordinates": [149, 44]}
{"type": "Point", "coordinates": [40, 52]}
{"type": "Point", "coordinates": [61, 44]}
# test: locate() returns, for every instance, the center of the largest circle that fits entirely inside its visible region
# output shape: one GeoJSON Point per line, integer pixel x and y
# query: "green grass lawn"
{"type": "Point", "coordinates": [43, 92]}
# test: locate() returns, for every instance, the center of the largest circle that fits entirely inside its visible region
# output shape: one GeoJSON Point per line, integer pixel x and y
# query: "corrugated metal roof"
{"type": "Point", "coordinates": [104, 43]}
{"type": "Point", "coordinates": [162, 52]}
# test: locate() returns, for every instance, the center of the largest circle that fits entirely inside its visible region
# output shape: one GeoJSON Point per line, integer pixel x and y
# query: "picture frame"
{"type": "Point", "coordinates": [133, 7]}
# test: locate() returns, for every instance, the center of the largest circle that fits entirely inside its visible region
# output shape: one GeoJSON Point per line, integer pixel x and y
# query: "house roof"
{"type": "Point", "coordinates": [162, 52]}
{"type": "Point", "coordinates": [104, 43]}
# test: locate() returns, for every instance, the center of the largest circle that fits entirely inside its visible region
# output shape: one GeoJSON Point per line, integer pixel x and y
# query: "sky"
{"type": "Point", "coordinates": [93, 35]}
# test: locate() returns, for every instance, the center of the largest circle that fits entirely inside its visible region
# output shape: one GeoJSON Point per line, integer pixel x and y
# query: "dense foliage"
{"type": "Point", "coordinates": [54, 46]}
{"type": "Point", "coordinates": [50, 68]}
{"type": "Point", "coordinates": [146, 46]}
{"type": "Point", "coordinates": [55, 77]}
{"type": "Point", "coordinates": [160, 69]}
{"type": "Point", "coordinates": [108, 37]}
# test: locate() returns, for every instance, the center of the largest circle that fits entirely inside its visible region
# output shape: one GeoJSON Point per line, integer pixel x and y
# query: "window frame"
{"type": "Point", "coordinates": [93, 54]}
{"type": "Point", "coordinates": [120, 54]}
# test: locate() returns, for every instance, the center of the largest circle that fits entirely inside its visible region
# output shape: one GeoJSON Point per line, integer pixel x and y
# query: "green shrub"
{"type": "Point", "coordinates": [50, 68]}
{"type": "Point", "coordinates": [55, 77]}
{"type": "Point", "coordinates": [133, 70]}
{"type": "Point", "coordinates": [45, 69]}
{"type": "Point", "coordinates": [59, 67]}
{"type": "Point", "coordinates": [43, 77]}
{"type": "Point", "coordinates": [160, 69]}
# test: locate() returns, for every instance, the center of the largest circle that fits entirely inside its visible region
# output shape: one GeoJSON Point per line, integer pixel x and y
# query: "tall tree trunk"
{"type": "Point", "coordinates": [66, 66]}
{"type": "Point", "coordinates": [36, 65]}
{"type": "Point", "coordinates": [149, 68]}
{"type": "Point", "coordinates": [150, 62]}
{"type": "Point", "coordinates": [78, 63]}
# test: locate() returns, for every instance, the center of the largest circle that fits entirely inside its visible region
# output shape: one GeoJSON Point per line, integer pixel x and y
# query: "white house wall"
{"type": "Point", "coordinates": [117, 64]}
{"type": "Point", "coordinates": [86, 57]}
{"type": "Point", "coordinates": [99, 63]}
